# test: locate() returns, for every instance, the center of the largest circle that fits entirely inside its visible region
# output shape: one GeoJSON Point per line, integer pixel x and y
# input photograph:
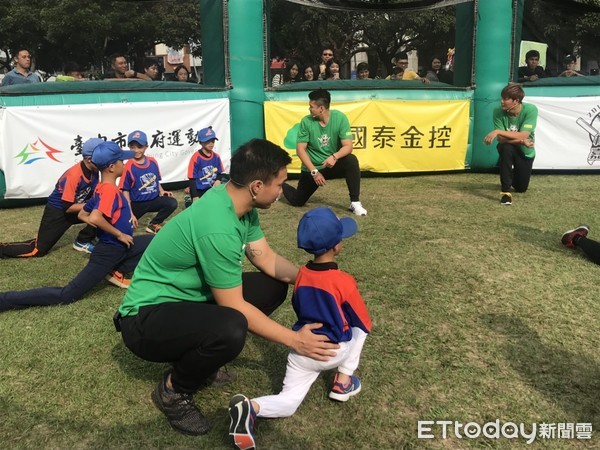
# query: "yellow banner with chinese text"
{"type": "Point", "coordinates": [388, 135]}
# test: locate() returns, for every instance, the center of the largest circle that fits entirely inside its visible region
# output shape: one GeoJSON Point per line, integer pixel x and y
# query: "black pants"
{"type": "Point", "coordinates": [346, 167]}
{"type": "Point", "coordinates": [198, 338]}
{"type": "Point", "coordinates": [55, 222]}
{"type": "Point", "coordinates": [515, 168]}
{"type": "Point", "coordinates": [590, 248]}
{"type": "Point", "coordinates": [104, 259]}
{"type": "Point", "coordinates": [163, 204]}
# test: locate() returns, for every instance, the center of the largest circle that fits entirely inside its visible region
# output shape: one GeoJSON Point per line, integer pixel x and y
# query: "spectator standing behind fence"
{"type": "Point", "coordinates": [309, 74]}
{"type": "Point", "coordinates": [324, 294]}
{"type": "Point", "coordinates": [531, 71]}
{"type": "Point", "coordinates": [72, 190]}
{"type": "Point", "coordinates": [205, 168]}
{"type": "Point", "coordinates": [319, 70]}
{"type": "Point", "coordinates": [569, 66]}
{"type": "Point", "coordinates": [120, 70]}
{"type": "Point", "coordinates": [181, 73]}
{"type": "Point", "coordinates": [21, 74]}
{"type": "Point", "coordinates": [72, 72]}
{"type": "Point", "coordinates": [437, 73]}
{"type": "Point", "coordinates": [362, 71]}
{"type": "Point", "coordinates": [324, 145]}
{"type": "Point", "coordinates": [514, 123]}
{"type": "Point", "coordinates": [151, 69]}
{"type": "Point", "coordinates": [332, 70]}
{"type": "Point", "coordinates": [401, 60]}
{"type": "Point", "coordinates": [291, 74]}
{"type": "Point", "coordinates": [140, 183]}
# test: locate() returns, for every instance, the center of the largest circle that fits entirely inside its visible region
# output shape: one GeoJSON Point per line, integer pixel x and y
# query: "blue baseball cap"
{"type": "Point", "coordinates": [88, 146]}
{"type": "Point", "coordinates": [139, 137]}
{"type": "Point", "coordinates": [206, 134]}
{"type": "Point", "coordinates": [320, 230]}
{"type": "Point", "coordinates": [108, 153]}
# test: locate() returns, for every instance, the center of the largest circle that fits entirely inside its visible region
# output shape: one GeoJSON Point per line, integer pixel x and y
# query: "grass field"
{"type": "Point", "coordinates": [479, 314]}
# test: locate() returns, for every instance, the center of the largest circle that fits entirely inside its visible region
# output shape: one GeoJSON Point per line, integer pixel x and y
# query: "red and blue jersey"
{"type": "Point", "coordinates": [204, 169]}
{"type": "Point", "coordinates": [113, 205]}
{"type": "Point", "coordinates": [326, 295]}
{"type": "Point", "coordinates": [74, 186]}
{"type": "Point", "coordinates": [141, 180]}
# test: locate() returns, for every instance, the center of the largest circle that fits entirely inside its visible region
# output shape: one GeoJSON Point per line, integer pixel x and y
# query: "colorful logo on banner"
{"type": "Point", "coordinates": [388, 136]}
{"type": "Point", "coordinates": [593, 130]}
{"type": "Point", "coordinates": [36, 151]}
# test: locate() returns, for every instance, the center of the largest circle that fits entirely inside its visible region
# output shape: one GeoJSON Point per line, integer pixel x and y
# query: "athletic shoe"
{"type": "Point", "coordinates": [86, 247]}
{"type": "Point", "coordinates": [341, 392]}
{"type": "Point", "coordinates": [506, 199]}
{"type": "Point", "coordinates": [187, 200]}
{"type": "Point", "coordinates": [153, 228]}
{"type": "Point", "coordinates": [181, 410]}
{"type": "Point", "coordinates": [357, 208]}
{"type": "Point", "coordinates": [568, 237]}
{"type": "Point", "coordinates": [118, 279]}
{"type": "Point", "coordinates": [220, 378]}
{"type": "Point", "coordinates": [241, 428]}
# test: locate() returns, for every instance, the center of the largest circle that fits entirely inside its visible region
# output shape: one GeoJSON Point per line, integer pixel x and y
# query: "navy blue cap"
{"type": "Point", "coordinates": [320, 230]}
{"type": "Point", "coordinates": [139, 137]}
{"type": "Point", "coordinates": [206, 134]}
{"type": "Point", "coordinates": [108, 153]}
{"type": "Point", "coordinates": [88, 146]}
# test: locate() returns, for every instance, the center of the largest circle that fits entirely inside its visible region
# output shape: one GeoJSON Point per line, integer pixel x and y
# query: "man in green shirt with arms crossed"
{"type": "Point", "coordinates": [514, 123]}
{"type": "Point", "coordinates": [189, 302]}
{"type": "Point", "coordinates": [324, 145]}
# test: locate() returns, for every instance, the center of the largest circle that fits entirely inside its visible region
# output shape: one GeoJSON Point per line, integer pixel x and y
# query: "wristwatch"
{"type": "Point", "coordinates": [314, 172]}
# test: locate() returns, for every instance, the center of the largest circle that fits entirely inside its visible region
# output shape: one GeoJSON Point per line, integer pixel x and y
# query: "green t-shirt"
{"type": "Point", "coordinates": [525, 121]}
{"type": "Point", "coordinates": [323, 141]}
{"type": "Point", "coordinates": [200, 248]}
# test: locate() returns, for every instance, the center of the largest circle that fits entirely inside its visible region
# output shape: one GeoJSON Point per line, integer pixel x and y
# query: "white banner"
{"type": "Point", "coordinates": [567, 135]}
{"type": "Point", "coordinates": [37, 144]}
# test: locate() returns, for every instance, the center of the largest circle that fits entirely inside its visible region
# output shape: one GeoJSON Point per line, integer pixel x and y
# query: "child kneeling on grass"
{"type": "Point", "coordinates": [205, 169]}
{"type": "Point", "coordinates": [322, 294]}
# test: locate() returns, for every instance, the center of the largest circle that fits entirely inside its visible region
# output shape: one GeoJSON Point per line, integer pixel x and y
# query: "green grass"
{"type": "Point", "coordinates": [479, 314]}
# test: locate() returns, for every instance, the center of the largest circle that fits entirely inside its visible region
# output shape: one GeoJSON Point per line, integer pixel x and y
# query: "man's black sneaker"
{"type": "Point", "coordinates": [181, 411]}
{"type": "Point", "coordinates": [506, 198]}
{"type": "Point", "coordinates": [220, 378]}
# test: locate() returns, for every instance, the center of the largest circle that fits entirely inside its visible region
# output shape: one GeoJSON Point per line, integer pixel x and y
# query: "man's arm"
{"type": "Point", "coordinates": [303, 341]}
{"type": "Point", "coordinates": [303, 155]}
{"type": "Point", "coordinates": [262, 256]}
{"type": "Point", "coordinates": [344, 150]}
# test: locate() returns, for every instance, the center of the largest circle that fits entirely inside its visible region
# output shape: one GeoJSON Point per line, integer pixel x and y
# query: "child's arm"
{"type": "Point", "coordinates": [96, 218]}
{"type": "Point", "coordinates": [162, 192]}
{"type": "Point", "coordinates": [193, 189]}
{"type": "Point", "coordinates": [133, 218]}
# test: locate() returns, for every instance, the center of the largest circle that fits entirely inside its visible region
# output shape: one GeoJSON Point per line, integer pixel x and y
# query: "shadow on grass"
{"type": "Point", "coordinates": [488, 191]}
{"type": "Point", "coordinates": [137, 367]}
{"type": "Point", "coordinates": [564, 378]}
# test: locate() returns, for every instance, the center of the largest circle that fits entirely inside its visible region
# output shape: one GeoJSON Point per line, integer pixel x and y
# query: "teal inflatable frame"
{"type": "Point", "coordinates": [242, 63]}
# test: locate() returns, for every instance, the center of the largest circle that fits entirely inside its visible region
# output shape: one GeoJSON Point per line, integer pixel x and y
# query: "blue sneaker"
{"type": "Point", "coordinates": [86, 247]}
{"type": "Point", "coordinates": [241, 429]}
{"type": "Point", "coordinates": [341, 392]}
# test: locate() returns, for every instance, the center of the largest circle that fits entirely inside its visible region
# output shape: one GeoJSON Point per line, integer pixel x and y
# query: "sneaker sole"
{"type": "Point", "coordinates": [239, 428]}
{"type": "Point", "coordinates": [150, 230]}
{"type": "Point", "coordinates": [344, 397]}
{"type": "Point", "coordinates": [355, 213]}
{"type": "Point", "coordinates": [581, 227]}
{"type": "Point", "coordinates": [158, 403]}
{"type": "Point", "coordinates": [81, 249]}
{"type": "Point", "coordinates": [116, 282]}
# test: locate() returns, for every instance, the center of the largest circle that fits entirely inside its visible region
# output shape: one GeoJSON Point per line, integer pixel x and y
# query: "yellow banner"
{"type": "Point", "coordinates": [389, 135]}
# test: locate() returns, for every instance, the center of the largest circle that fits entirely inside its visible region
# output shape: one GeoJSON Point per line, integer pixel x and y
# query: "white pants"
{"type": "Point", "coordinates": [301, 373]}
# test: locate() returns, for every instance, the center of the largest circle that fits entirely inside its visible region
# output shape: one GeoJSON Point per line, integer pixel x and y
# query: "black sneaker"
{"type": "Point", "coordinates": [506, 199]}
{"type": "Point", "coordinates": [568, 237]}
{"type": "Point", "coordinates": [181, 411]}
{"type": "Point", "coordinates": [241, 428]}
{"type": "Point", "coordinates": [220, 378]}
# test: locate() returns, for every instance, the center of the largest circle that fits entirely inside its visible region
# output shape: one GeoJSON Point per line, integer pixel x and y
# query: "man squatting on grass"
{"type": "Point", "coordinates": [116, 252]}
{"type": "Point", "coordinates": [577, 238]}
{"type": "Point", "coordinates": [324, 146]}
{"type": "Point", "coordinates": [189, 303]}
{"type": "Point", "coordinates": [72, 190]}
{"type": "Point", "coordinates": [514, 124]}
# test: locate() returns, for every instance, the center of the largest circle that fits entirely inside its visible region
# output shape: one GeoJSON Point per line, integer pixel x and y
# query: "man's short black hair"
{"type": "Point", "coordinates": [362, 66]}
{"type": "Point", "coordinates": [149, 62]}
{"type": "Point", "coordinates": [19, 49]}
{"type": "Point", "coordinates": [257, 159]}
{"type": "Point", "coordinates": [532, 54]}
{"type": "Point", "coordinates": [71, 66]}
{"type": "Point", "coordinates": [321, 96]}
{"type": "Point", "coordinates": [114, 57]}
{"type": "Point", "coordinates": [400, 55]}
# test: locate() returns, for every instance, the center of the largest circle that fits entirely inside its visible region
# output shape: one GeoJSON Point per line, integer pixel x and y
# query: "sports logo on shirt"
{"type": "Point", "coordinates": [147, 180]}
{"type": "Point", "coordinates": [36, 151]}
{"type": "Point", "coordinates": [324, 140]}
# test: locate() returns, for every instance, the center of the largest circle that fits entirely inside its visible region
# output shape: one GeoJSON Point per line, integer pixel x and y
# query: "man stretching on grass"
{"type": "Point", "coordinates": [514, 124]}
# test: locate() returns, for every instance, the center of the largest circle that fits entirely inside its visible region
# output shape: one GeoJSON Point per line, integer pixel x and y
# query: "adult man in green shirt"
{"type": "Point", "coordinates": [324, 145]}
{"type": "Point", "coordinates": [514, 124]}
{"type": "Point", "coordinates": [189, 302]}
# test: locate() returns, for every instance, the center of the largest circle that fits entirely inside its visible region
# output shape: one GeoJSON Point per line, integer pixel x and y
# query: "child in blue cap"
{"type": "Point", "coordinates": [205, 168]}
{"type": "Point", "coordinates": [322, 294]}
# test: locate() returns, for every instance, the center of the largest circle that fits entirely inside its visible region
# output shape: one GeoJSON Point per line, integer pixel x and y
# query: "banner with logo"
{"type": "Point", "coordinates": [388, 135]}
{"type": "Point", "coordinates": [38, 144]}
{"type": "Point", "coordinates": [567, 135]}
